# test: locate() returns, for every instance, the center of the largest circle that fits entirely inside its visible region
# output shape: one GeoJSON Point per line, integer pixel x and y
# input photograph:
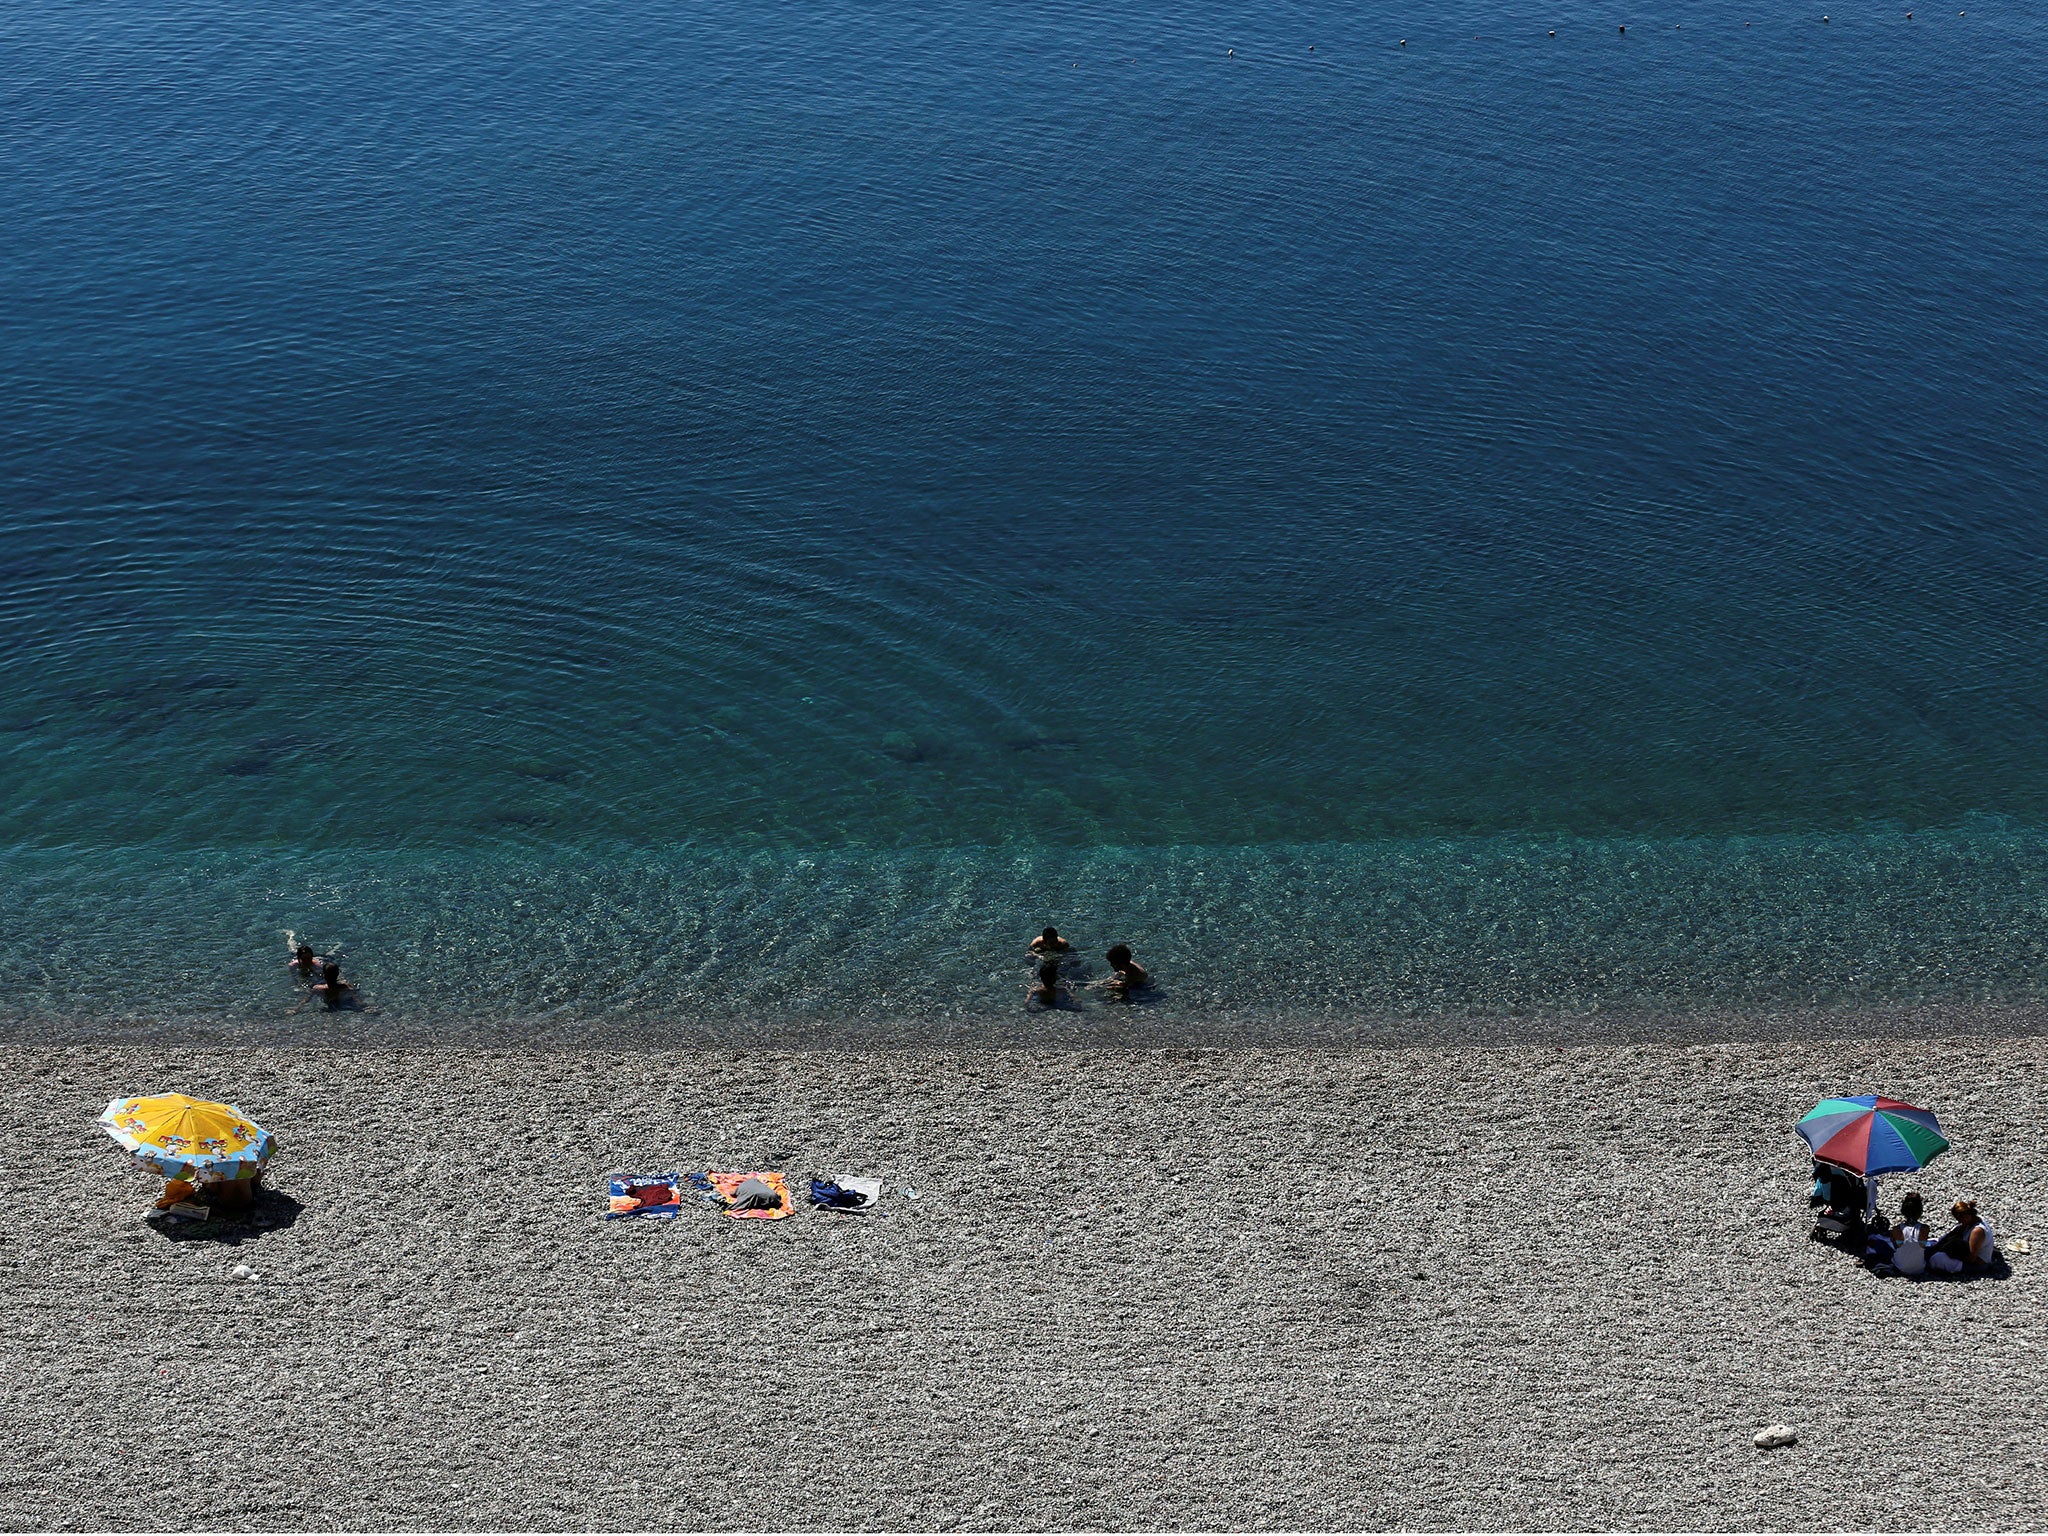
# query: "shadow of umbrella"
{"type": "Point", "coordinates": [273, 1211]}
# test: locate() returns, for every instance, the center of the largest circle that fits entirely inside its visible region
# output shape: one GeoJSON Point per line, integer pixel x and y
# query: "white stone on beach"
{"type": "Point", "coordinates": [1775, 1436]}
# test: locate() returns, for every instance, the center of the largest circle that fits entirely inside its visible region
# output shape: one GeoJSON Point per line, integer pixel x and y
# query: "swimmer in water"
{"type": "Point", "coordinates": [305, 962]}
{"type": "Point", "coordinates": [1050, 946]}
{"type": "Point", "coordinates": [1048, 991]}
{"type": "Point", "coordinates": [332, 990]}
{"type": "Point", "coordinates": [1125, 974]}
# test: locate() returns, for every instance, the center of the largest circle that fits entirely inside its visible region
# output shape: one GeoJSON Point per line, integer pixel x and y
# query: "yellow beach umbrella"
{"type": "Point", "coordinates": [182, 1137]}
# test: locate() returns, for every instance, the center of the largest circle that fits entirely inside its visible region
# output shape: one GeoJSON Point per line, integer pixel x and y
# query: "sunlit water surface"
{"type": "Point", "coordinates": [669, 519]}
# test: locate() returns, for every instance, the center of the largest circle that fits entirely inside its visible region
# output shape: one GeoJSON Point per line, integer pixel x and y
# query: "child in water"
{"type": "Point", "coordinates": [1050, 946]}
{"type": "Point", "coordinates": [304, 962]}
{"type": "Point", "coordinates": [1048, 991]}
{"type": "Point", "coordinates": [333, 991]}
{"type": "Point", "coordinates": [1125, 974]}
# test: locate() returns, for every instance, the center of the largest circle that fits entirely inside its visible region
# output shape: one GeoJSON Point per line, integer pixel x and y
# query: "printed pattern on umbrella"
{"type": "Point", "coordinates": [181, 1137]}
{"type": "Point", "coordinates": [1871, 1134]}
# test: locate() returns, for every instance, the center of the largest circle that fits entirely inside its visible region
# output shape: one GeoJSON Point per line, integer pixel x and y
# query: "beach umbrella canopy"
{"type": "Point", "coordinates": [1871, 1135]}
{"type": "Point", "coordinates": [181, 1137]}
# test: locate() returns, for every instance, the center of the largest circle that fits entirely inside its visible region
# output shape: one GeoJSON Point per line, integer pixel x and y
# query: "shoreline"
{"type": "Point", "coordinates": [1282, 943]}
{"type": "Point", "coordinates": [1152, 1023]}
{"type": "Point", "coordinates": [1138, 1289]}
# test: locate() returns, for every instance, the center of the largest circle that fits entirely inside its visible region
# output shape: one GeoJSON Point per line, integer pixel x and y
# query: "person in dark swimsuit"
{"type": "Point", "coordinates": [1125, 976]}
{"type": "Point", "coordinates": [1969, 1245]}
{"type": "Point", "coordinates": [1050, 946]}
{"type": "Point", "coordinates": [1048, 991]}
{"type": "Point", "coordinates": [333, 991]}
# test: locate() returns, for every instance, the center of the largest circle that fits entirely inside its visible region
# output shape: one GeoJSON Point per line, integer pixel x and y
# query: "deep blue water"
{"type": "Point", "coordinates": [661, 512]}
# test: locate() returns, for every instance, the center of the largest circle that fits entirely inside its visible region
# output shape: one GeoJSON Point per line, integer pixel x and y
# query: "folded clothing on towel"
{"type": "Point", "coordinates": [645, 1194]}
{"type": "Point", "coordinates": [761, 1195]}
{"type": "Point", "coordinates": [845, 1192]}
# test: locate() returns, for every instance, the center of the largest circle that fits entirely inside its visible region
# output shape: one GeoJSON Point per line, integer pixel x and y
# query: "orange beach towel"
{"type": "Point", "coordinates": [727, 1183]}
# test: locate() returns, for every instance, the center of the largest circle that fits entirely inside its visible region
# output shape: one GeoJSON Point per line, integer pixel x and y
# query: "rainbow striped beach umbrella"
{"type": "Point", "coordinates": [1872, 1135]}
{"type": "Point", "coordinates": [185, 1138]}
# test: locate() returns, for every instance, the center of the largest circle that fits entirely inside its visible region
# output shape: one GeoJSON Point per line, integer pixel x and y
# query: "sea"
{"type": "Point", "coordinates": [690, 520]}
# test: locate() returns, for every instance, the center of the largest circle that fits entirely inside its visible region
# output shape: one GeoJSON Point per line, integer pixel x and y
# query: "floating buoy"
{"type": "Point", "coordinates": [1404, 42]}
{"type": "Point", "coordinates": [1553, 34]}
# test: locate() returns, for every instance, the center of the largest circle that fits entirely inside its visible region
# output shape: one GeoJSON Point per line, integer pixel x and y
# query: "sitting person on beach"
{"type": "Point", "coordinates": [1903, 1247]}
{"type": "Point", "coordinates": [1969, 1245]}
{"type": "Point", "coordinates": [1050, 946]}
{"type": "Point", "coordinates": [1125, 976]}
{"type": "Point", "coordinates": [1048, 991]}
{"type": "Point", "coordinates": [235, 1199]}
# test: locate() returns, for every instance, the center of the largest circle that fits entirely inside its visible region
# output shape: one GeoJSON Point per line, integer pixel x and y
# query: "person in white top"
{"type": "Point", "coordinates": [1969, 1245]}
{"type": "Point", "coordinates": [1904, 1246]}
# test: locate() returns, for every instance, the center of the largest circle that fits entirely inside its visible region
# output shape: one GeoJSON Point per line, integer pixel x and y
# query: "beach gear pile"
{"type": "Point", "coordinates": [757, 1195]}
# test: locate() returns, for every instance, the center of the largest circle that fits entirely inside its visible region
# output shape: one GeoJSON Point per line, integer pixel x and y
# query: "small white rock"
{"type": "Point", "coordinates": [1775, 1436]}
{"type": "Point", "coordinates": [244, 1272]}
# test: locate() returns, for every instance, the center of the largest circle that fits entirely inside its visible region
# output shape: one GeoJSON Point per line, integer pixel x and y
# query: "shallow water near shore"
{"type": "Point", "coordinates": [1453, 939]}
{"type": "Point", "coordinates": [726, 520]}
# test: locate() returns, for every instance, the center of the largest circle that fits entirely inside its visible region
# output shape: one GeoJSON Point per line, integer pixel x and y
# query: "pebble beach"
{"type": "Point", "coordinates": [1475, 1287]}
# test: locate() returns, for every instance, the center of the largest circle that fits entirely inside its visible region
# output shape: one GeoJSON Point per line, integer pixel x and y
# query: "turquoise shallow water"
{"type": "Point", "coordinates": [1385, 940]}
{"type": "Point", "coordinates": [622, 516]}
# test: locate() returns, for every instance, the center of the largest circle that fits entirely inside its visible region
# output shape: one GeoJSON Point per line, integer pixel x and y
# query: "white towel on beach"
{"type": "Point", "coordinates": [869, 1190]}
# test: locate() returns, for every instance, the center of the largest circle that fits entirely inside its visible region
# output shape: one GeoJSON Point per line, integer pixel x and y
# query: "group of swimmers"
{"type": "Point", "coordinates": [330, 988]}
{"type": "Point", "coordinates": [1125, 980]}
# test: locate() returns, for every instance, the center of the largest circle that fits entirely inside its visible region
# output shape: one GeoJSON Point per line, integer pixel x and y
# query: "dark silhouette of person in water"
{"type": "Point", "coordinates": [1048, 991]}
{"type": "Point", "coordinates": [1125, 976]}
{"type": "Point", "coordinates": [335, 992]}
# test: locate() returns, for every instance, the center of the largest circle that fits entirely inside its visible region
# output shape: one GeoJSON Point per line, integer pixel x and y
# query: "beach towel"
{"type": "Point", "coordinates": [759, 1196]}
{"type": "Point", "coordinates": [645, 1194]}
{"type": "Point", "coordinates": [845, 1192]}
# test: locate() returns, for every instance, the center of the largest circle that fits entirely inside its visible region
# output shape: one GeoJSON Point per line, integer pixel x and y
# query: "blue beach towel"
{"type": "Point", "coordinates": [645, 1194]}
